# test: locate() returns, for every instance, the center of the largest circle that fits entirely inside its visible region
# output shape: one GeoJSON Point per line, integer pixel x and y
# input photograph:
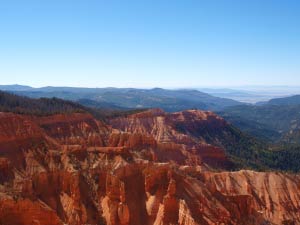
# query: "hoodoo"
{"type": "Point", "coordinates": [146, 168]}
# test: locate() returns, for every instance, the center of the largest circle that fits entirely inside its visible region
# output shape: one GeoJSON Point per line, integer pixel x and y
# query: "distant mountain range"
{"type": "Point", "coordinates": [10, 102]}
{"type": "Point", "coordinates": [292, 100]}
{"type": "Point", "coordinates": [15, 87]}
{"type": "Point", "coordinates": [277, 119]}
{"type": "Point", "coordinates": [43, 106]}
{"type": "Point", "coordinates": [169, 100]}
{"type": "Point", "coordinates": [252, 95]}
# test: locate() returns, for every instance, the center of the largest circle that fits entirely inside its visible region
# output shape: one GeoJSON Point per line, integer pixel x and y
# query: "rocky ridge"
{"type": "Point", "coordinates": [147, 168]}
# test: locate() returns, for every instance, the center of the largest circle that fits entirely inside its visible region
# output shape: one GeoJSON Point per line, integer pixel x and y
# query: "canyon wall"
{"type": "Point", "coordinates": [143, 169]}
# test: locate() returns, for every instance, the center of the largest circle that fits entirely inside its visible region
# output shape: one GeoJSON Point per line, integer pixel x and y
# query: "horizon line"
{"type": "Point", "coordinates": [162, 87]}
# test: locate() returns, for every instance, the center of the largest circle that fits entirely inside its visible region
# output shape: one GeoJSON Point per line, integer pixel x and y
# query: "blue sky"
{"type": "Point", "coordinates": [150, 43]}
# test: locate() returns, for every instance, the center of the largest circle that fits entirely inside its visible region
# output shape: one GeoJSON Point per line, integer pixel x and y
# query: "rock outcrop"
{"type": "Point", "coordinates": [148, 168]}
{"type": "Point", "coordinates": [184, 137]}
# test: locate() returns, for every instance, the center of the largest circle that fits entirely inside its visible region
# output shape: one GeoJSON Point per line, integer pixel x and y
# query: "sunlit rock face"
{"type": "Point", "coordinates": [186, 137]}
{"type": "Point", "coordinates": [148, 168]}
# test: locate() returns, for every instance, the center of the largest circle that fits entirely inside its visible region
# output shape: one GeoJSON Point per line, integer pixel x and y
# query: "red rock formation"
{"type": "Point", "coordinates": [15, 128]}
{"type": "Point", "coordinates": [74, 129]}
{"type": "Point", "coordinates": [76, 170]}
{"type": "Point", "coordinates": [24, 212]}
{"type": "Point", "coordinates": [6, 172]}
{"type": "Point", "coordinates": [179, 135]}
{"type": "Point", "coordinates": [131, 140]}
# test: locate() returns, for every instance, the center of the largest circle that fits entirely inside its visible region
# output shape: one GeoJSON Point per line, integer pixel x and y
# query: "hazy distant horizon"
{"type": "Point", "coordinates": [243, 87]}
{"type": "Point", "coordinates": [247, 94]}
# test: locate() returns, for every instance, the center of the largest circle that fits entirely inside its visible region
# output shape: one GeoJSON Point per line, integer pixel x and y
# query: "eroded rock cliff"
{"type": "Point", "coordinates": [148, 168]}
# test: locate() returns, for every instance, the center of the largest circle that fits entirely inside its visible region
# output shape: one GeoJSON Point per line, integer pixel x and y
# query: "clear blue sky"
{"type": "Point", "coordinates": [150, 43]}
